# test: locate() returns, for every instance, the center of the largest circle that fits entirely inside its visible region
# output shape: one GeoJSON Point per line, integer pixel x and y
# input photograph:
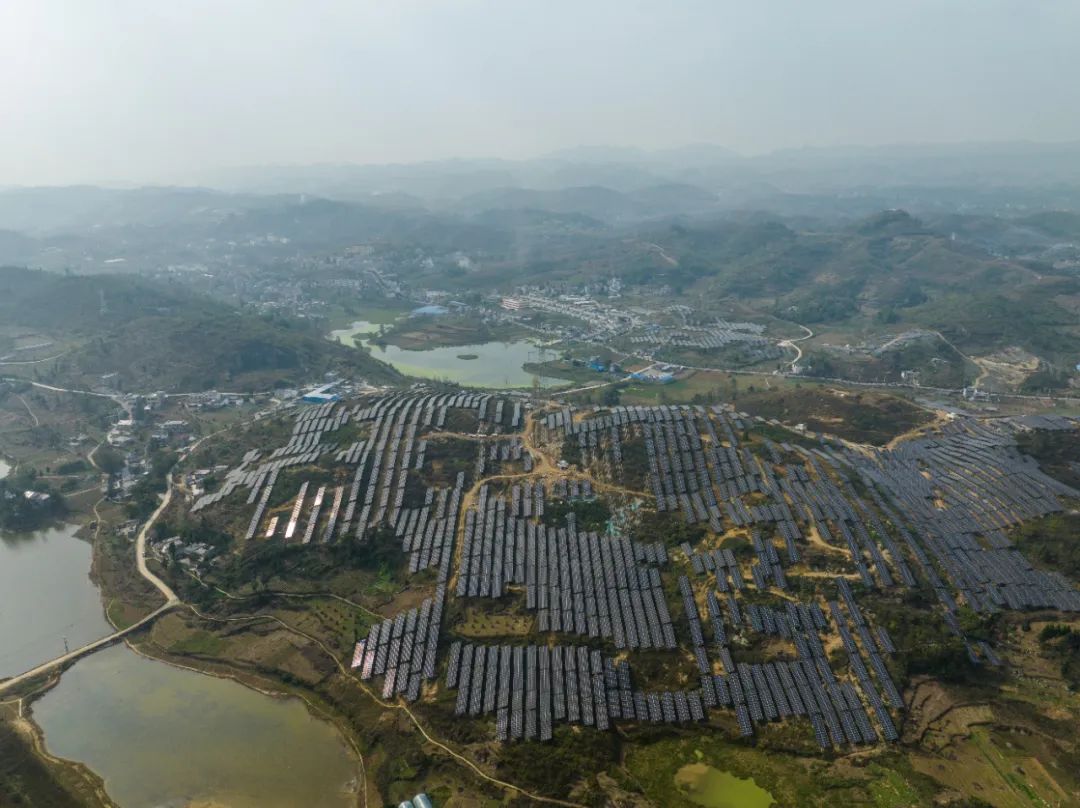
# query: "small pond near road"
{"type": "Point", "coordinates": [713, 788]}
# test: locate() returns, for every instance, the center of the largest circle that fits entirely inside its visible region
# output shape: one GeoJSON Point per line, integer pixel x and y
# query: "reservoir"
{"type": "Point", "coordinates": [163, 736]}
{"type": "Point", "coordinates": [157, 735]}
{"type": "Point", "coordinates": [45, 595]}
{"type": "Point", "coordinates": [487, 365]}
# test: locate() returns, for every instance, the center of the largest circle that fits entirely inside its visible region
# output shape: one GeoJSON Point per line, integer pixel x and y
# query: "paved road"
{"type": "Point", "coordinates": [832, 380]}
{"type": "Point", "coordinates": [171, 598]}
{"type": "Point", "coordinates": [119, 396]}
{"type": "Point", "coordinates": [55, 389]}
{"type": "Point", "coordinates": [596, 386]}
{"type": "Point", "coordinates": [171, 602]}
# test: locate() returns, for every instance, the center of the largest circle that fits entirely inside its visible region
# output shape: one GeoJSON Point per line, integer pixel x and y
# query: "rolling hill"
{"type": "Point", "coordinates": [165, 338]}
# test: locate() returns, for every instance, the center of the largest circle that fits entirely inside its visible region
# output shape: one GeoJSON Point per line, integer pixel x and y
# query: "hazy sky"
{"type": "Point", "coordinates": [144, 90]}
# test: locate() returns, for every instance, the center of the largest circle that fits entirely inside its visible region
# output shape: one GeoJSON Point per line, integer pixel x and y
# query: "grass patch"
{"type": "Point", "coordinates": [790, 780]}
{"type": "Point", "coordinates": [27, 780]}
{"type": "Point", "coordinates": [863, 416]}
{"type": "Point", "coordinates": [198, 643]}
{"type": "Point", "coordinates": [1052, 542]}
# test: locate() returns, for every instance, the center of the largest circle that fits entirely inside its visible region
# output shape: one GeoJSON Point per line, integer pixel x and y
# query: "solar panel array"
{"type": "Point", "coordinates": [936, 507]}
{"type": "Point", "coordinates": [494, 457]}
{"type": "Point", "coordinates": [403, 650]}
{"type": "Point", "coordinates": [746, 336]}
{"type": "Point", "coordinates": [577, 582]}
{"type": "Point", "coordinates": [531, 688]}
{"type": "Point", "coordinates": [959, 490]}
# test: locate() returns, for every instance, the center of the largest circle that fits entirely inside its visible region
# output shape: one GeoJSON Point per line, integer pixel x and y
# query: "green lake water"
{"type": "Point", "coordinates": [161, 736]}
{"type": "Point", "coordinates": [354, 336]}
{"type": "Point", "coordinates": [495, 364]}
{"type": "Point", "coordinates": [713, 788]}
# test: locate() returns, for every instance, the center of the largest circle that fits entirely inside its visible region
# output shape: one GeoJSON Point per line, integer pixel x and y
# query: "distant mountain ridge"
{"type": "Point", "coordinates": [714, 168]}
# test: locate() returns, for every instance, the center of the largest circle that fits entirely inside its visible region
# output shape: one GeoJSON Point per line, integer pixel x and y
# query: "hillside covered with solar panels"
{"type": "Point", "coordinates": [555, 574]}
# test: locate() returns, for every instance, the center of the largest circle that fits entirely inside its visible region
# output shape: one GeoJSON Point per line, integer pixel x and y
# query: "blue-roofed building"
{"type": "Point", "coordinates": [321, 395]}
{"type": "Point", "coordinates": [320, 398]}
{"type": "Point", "coordinates": [654, 376]}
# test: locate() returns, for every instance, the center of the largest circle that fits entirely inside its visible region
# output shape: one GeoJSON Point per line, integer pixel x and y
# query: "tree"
{"type": "Point", "coordinates": [109, 460]}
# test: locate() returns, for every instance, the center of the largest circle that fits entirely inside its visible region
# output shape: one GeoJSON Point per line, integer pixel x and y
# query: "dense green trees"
{"type": "Point", "coordinates": [17, 512]}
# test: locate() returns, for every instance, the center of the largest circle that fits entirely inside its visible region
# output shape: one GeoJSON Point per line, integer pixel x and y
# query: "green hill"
{"type": "Point", "coordinates": [158, 337]}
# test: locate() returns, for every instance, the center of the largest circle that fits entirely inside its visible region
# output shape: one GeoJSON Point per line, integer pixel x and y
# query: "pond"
{"type": "Point", "coordinates": [46, 596]}
{"type": "Point", "coordinates": [489, 364]}
{"type": "Point", "coordinates": [713, 788]}
{"type": "Point", "coordinates": [163, 736]}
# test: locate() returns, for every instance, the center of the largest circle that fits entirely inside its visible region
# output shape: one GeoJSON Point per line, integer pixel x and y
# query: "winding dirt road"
{"type": "Point", "coordinates": [792, 343]}
{"type": "Point", "coordinates": [171, 602]}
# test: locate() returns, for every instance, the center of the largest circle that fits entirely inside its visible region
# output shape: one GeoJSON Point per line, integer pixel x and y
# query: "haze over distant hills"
{"type": "Point", "coordinates": [949, 237]}
{"type": "Point", "coordinates": [713, 168]}
{"type": "Point", "coordinates": [615, 186]}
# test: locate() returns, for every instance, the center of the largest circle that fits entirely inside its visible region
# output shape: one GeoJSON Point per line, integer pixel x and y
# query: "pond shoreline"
{"type": "Point", "coordinates": [492, 365]}
{"type": "Point", "coordinates": [22, 715]}
{"type": "Point", "coordinates": [266, 686]}
{"type": "Point", "coordinates": [37, 622]}
{"type": "Point", "coordinates": [69, 774]}
{"type": "Point", "coordinates": [144, 652]}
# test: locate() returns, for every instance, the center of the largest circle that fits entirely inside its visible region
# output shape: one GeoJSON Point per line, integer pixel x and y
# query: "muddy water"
{"type": "Point", "coordinates": [162, 736]}
{"type": "Point", "coordinates": [159, 736]}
